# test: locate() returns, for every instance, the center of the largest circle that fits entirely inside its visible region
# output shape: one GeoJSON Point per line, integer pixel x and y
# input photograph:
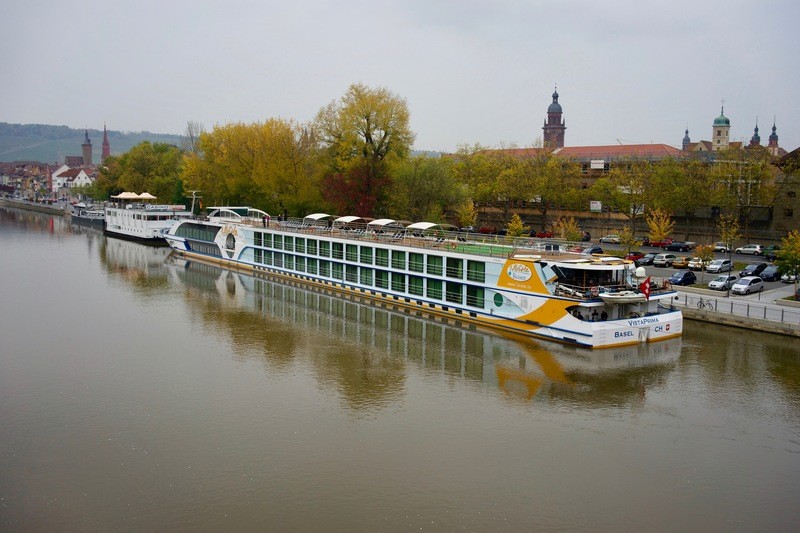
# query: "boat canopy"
{"type": "Point", "coordinates": [315, 217]}
{"type": "Point", "coordinates": [343, 222]}
{"type": "Point", "coordinates": [146, 196]}
{"type": "Point", "coordinates": [381, 222]}
{"type": "Point", "coordinates": [126, 196]}
{"type": "Point", "coordinates": [235, 213]}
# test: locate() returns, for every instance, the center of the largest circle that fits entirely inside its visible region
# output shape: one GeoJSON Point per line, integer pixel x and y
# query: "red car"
{"type": "Point", "coordinates": [634, 256]}
{"type": "Point", "coordinates": [661, 244]}
{"type": "Point", "coordinates": [544, 235]}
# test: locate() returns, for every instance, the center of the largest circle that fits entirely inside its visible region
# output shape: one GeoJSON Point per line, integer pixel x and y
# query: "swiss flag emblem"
{"type": "Point", "coordinates": [645, 287]}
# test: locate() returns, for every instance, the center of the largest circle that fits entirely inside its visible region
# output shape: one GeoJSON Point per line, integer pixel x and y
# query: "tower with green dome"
{"type": "Point", "coordinates": [720, 136]}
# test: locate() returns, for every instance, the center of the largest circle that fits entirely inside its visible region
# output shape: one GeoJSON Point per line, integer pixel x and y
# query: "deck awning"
{"type": "Point", "coordinates": [126, 196]}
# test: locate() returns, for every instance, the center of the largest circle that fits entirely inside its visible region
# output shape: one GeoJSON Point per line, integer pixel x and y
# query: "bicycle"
{"type": "Point", "coordinates": [705, 304]}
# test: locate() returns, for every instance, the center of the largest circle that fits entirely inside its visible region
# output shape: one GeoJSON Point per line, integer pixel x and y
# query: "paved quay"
{"type": "Point", "coordinates": [765, 311]}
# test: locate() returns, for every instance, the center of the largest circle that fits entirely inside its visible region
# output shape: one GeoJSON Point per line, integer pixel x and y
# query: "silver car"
{"type": "Point", "coordinates": [719, 265]}
{"type": "Point", "coordinates": [747, 285]}
{"type": "Point", "coordinates": [723, 282]}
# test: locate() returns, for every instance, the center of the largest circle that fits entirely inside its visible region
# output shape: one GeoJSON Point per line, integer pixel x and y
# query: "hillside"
{"type": "Point", "coordinates": [49, 144]}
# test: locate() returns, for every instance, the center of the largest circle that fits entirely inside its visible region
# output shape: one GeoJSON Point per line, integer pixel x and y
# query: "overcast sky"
{"type": "Point", "coordinates": [471, 71]}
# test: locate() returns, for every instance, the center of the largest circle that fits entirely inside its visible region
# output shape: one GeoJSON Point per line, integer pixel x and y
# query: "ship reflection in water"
{"type": "Point", "coordinates": [274, 316]}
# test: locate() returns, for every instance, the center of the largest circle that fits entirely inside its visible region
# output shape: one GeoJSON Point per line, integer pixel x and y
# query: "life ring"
{"type": "Point", "coordinates": [594, 291]}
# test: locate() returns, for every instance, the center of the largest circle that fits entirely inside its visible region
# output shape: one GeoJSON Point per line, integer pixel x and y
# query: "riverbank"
{"type": "Point", "coordinates": [58, 208]}
{"type": "Point", "coordinates": [767, 311]}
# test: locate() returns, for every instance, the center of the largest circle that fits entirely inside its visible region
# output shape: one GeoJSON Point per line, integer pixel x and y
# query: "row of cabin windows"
{"type": "Point", "coordinates": [451, 267]}
{"type": "Point", "coordinates": [448, 291]}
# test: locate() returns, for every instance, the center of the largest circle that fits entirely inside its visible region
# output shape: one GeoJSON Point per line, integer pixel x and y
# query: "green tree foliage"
{"type": "Point", "coordinates": [788, 257]}
{"type": "Point", "coordinates": [628, 240]}
{"type": "Point", "coordinates": [626, 188]}
{"type": "Point", "coordinates": [364, 133]}
{"type": "Point", "coordinates": [728, 227]}
{"type": "Point", "coordinates": [466, 214]}
{"type": "Point", "coordinates": [546, 180]}
{"type": "Point", "coordinates": [680, 187]}
{"type": "Point", "coordinates": [422, 188]}
{"type": "Point", "coordinates": [567, 228]}
{"type": "Point", "coordinates": [147, 167]}
{"type": "Point", "coordinates": [271, 165]}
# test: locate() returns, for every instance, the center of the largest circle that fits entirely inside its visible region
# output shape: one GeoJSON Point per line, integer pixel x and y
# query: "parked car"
{"type": "Point", "coordinates": [748, 285]}
{"type": "Point", "coordinates": [753, 269]}
{"type": "Point", "coordinates": [664, 260]}
{"type": "Point", "coordinates": [644, 239]}
{"type": "Point", "coordinates": [695, 263]}
{"type": "Point", "coordinates": [677, 246]}
{"type": "Point", "coordinates": [634, 256]}
{"type": "Point", "coordinates": [647, 259]}
{"type": "Point", "coordinates": [662, 243]}
{"type": "Point", "coordinates": [723, 282]}
{"type": "Point", "coordinates": [543, 234]}
{"type": "Point", "coordinates": [610, 239]}
{"type": "Point", "coordinates": [720, 265]}
{"type": "Point", "coordinates": [753, 249]}
{"type": "Point", "coordinates": [683, 277]}
{"type": "Point", "coordinates": [771, 252]}
{"type": "Point", "coordinates": [681, 262]}
{"type": "Point", "coordinates": [586, 236]}
{"type": "Point", "coordinates": [592, 250]}
{"type": "Point", "coordinates": [722, 247]}
{"type": "Point", "coordinates": [770, 273]}
{"type": "Point", "coordinates": [788, 278]}
{"type": "Point", "coordinates": [467, 229]}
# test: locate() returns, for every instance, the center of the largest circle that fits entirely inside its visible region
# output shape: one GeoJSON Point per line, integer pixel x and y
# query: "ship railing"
{"type": "Point", "coordinates": [589, 292]}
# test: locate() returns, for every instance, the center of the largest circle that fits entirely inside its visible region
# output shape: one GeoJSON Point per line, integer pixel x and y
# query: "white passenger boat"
{"type": "Point", "coordinates": [132, 216]}
{"type": "Point", "coordinates": [552, 294]}
{"type": "Point", "coordinates": [88, 216]}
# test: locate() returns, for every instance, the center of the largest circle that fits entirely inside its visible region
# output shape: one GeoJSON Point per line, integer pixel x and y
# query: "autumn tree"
{"type": "Point", "coordinates": [190, 142]}
{"type": "Point", "coordinates": [466, 214]}
{"type": "Point", "coordinates": [660, 224]}
{"type": "Point", "coordinates": [271, 165]}
{"type": "Point", "coordinates": [364, 134]}
{"type": "Point", "coordinates": [728, 226]}
{"type": "Point", "coordinates": [515, 227]}
{"type": "Point", "coordinates": [567, 228]}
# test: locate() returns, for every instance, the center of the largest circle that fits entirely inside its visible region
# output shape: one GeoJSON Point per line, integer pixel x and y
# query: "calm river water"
{"type": "Point", "coordinates": [142, 392]}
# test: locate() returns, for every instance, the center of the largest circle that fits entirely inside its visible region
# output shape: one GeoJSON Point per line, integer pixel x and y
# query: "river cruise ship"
{"type": "Point", "coordinates": [538, 288]}
{"type": "Point", "coordinates": [133, 216]}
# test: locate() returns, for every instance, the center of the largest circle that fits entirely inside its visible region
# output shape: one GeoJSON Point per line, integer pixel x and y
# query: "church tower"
{"type": "Point", "coordinates": [686, 141]}
{"type": "Point", "coordinates": [554, 126]}
{"type": "Point", "coordinates": [106, 145]}
{"type": "Point", "coordinates": [755, 140]}
{"type": "Point", "coordinates": [772, 145]}
{"type": "Point", "coordinates": [87, 150]}
{"type": "Point", "coordinates": [720, 136]}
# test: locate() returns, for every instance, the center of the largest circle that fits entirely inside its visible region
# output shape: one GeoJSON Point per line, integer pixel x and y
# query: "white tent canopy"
{"type": "Point", "coordinates": [127, 196]}
{"type": "Point", "coordinates": [146, 196]}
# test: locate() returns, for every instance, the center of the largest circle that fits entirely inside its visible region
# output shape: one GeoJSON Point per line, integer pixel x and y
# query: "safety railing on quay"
{"type": "Point", "coordinates": [744, 308]}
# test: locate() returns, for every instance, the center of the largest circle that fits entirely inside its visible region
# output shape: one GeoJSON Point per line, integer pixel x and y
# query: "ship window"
{"type": "Point", "coordinates": [258, 238]}
{"type": "Point", "coordinates": [300, 245]}
{"type": "Point", "coordinates": [278, 259]}
{"type": "Point", "coordinates": [366, 276]}
{"type": "Point", "coordinates": [382, 279]}
{"type": "Point", "coordinates": [453, 292]}
{"type": "Point", "coordinates": [311, 266]}
{"type": "Point", "coordinates": [455, 267]}
{"type": "Point", "coordinates": [416, 262]}
{"type": "Point", "coordinates": [476, 271]}
{"type": "Point", "coordinates": [366, 255]}
{"type": "Point", "coordinates": [338, 250]}
{"type": "Point", "coordinates": [475, 296]}
{"type": "Point", "coordinates": [398, 282]}
{"type": "Point", "coordinates": [398, 260]}
{"type": "Point", "coordinates": [198, 232]}
{"type": "Point", "coordinates": [288, 244]}
{"type": "Point", "coordinates": [324, 248]}
{"type": "Point", "coordinates": [337, 271]}
{"type": "Point", "coordinates": [351, 272]}
{"type": "Point", "coordinates": [382, 257]}
{"type": "Point", "coordinates": [312, 247]}
{"type": "Point", "coordinates": [300, 264]}
{"type": "Point", "coordinates": [288, 261]}
{"type": "Point", "coordinates": [257, 255]}
{"type": "Point", "coordinates": [416, 285]}
{"type": "Point", "coordinates": [325, 268]}
{"type": "Point", "coordinates": [267, 257]}
{"type": "Point", "coordinates": [435, 289]}
{"type": "Point", "coordinates": [268, 240]}
{"type": "Point", "coordinates": [435, 265]}
{"type": "Point", "coordinates": [230, 241]}
{"type": "Point", "coordinates": [278, 242]}
{"type": "Point", "coordinates": [352, 253]}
